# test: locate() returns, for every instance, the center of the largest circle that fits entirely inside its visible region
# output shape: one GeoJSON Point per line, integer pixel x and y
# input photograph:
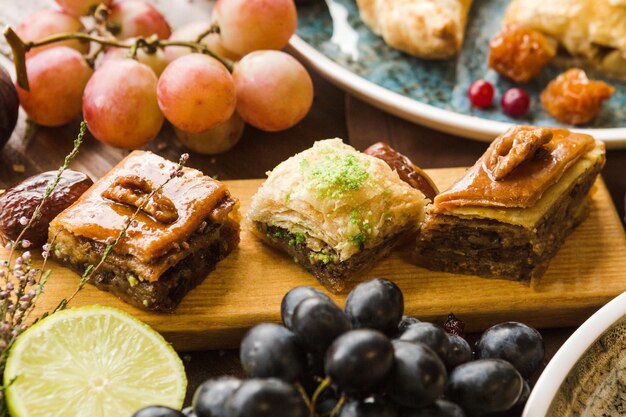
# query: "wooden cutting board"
{"type": "Point", "coordinates": [247, 287]}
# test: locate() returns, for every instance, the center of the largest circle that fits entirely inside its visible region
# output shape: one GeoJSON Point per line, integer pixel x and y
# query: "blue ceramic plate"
{"type": "Point", "coordinates": [334, 40]}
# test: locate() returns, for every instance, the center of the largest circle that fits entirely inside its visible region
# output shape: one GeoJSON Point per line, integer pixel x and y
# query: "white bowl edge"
{"type": "Point", "coordinates": [568, 355]}
{"type": "Point", "coordinates": [433, 117]}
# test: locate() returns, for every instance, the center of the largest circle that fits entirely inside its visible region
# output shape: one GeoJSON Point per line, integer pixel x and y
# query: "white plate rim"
{"type": "Point", "coordinates": [568, 355]}
{"type": "Point", "coordinates": [470, 127]}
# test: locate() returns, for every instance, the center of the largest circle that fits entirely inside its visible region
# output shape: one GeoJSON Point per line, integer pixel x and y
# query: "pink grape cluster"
{"type": "Point", "coordinates": [124, 99]}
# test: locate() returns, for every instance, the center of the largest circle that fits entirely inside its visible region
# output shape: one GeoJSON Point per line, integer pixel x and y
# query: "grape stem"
{"type": "Point", "coordinates": [338, 406]}
{"type": "Point", "coordinates": [321, 388]}
{"type": "Point", "coordinates": [302, 392]}
{"type": "Point", "coordinates": [214, 28]}
{"type": "Point", "coordinates": [150, 45]}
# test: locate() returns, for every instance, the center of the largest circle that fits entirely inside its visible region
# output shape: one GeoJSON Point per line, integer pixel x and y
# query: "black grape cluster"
{"type": "Point", "coordinates": [369, 360]}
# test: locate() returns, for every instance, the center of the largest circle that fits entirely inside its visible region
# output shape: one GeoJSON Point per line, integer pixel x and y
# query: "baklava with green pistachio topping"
{"type": "Point", "coordinates": [335, 211]}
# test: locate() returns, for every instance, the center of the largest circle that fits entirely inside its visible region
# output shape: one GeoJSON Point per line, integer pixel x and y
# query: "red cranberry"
{"type": "Point", "coordinates": [480, 93]}
{"type": "Point", "coordinates": [515, 102]}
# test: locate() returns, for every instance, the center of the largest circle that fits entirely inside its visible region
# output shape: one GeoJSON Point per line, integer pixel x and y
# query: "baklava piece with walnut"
{"type": "Point", "coordinates": [176, 240]}
{"type": "Point", "coordinates": [510, 213]}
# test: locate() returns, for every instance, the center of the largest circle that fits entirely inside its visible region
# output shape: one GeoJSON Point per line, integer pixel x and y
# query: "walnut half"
{"type": "Point", "coordinates": [575, 99]}
{"type": "Point", "coordinates": [511, 149]}
{"type": "Point", "coordinates": [133, 191]}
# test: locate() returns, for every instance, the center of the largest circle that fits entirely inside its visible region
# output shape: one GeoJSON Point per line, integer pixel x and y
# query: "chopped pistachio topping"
{"type": "Point", "coordinates": [335, 174]}
{"type": "Point", "coordinates": [132, 280]}
{"type": "Point", "coordinates": [364, 227]}
{"type": "Point", "coordinates": [325, 258]}
{"type": "Point", "coordinates": [359, 239]}
{"type": "Point", "coordinates": [299, 237]}
{"type": "Point", "coordinates": [275, 233]}
{"type": "Point", "coordinates": [354, 217]}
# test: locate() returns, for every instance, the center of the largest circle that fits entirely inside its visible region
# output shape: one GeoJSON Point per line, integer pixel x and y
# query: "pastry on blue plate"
{"type": "Point", "coordinates": [431, 29]}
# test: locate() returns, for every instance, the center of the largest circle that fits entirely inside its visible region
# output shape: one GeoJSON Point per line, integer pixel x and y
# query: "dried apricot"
{"type": "Point", "coordinates": [519, 53]}
{"type": "Point", "coordinates": [575, 99]}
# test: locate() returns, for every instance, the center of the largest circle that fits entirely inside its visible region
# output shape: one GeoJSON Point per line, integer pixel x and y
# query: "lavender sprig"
{"type": "Point", "coordinates": [49, 190]}
{"type": "Point", "coordinates": [39, 287]}
{"type": "Point", "coordinates": [20, 282]}
{"type": "Point", "coordinates": [18, 298]}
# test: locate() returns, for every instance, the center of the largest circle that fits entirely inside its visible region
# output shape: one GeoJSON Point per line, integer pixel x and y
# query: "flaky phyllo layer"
{"type": "Point", "coordinates": [334, 197]}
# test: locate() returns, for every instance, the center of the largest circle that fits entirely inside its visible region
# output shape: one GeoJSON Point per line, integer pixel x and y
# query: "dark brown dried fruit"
{"type": "Point", "coordinates": [9, 106]}
{"type": "Point", "coordinates": [406, 169]}
{"type": "Point", "coordinates": [575, 99]}
{"type": "Point", "coordinates": [519, 53]}
{"type": "Point", "coordinates": [22, 200]}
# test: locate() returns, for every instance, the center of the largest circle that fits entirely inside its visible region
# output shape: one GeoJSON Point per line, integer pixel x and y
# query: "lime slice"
{"type": "Point", "coordinates": [91, 362]}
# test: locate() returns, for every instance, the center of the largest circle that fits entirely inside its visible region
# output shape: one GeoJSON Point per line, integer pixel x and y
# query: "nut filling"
{"type": "Point", "coordinates": [119, 277]}
{"type": "Point", "coordinates": [324, 264]}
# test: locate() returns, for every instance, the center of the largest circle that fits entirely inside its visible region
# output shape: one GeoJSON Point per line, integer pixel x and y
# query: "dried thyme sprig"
{"type": "Point", "coordinates": [20, 282]}
{"type": "Point", "coordinates": [27, 223]}
{"type": "Point", "coordinates": [18, 299]}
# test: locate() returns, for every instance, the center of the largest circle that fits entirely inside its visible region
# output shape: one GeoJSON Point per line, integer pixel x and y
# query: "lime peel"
{"type": "Point", "coordinates": [92, 361]}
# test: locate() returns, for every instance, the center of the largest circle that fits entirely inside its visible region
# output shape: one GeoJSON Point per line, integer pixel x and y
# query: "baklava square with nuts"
{"type": "Point", "coordinates": [510, 213]}
{"type": "Point", "coordinates": [177, 238]}
{"type": "Point", "coordinates": [335, 211]}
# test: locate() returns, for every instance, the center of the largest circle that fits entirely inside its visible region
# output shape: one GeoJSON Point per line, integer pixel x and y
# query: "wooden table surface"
{"type": "Point", "coordinates": [334, 114]}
